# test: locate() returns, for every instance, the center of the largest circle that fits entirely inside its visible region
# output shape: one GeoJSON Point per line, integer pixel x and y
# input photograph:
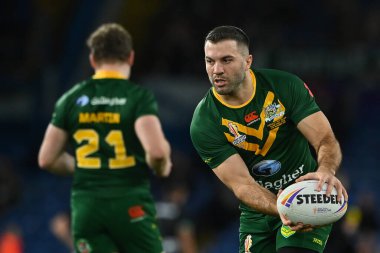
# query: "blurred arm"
{"type": "Point", "coordinates": [234, 174]}
{"type": "Point", "coordinates": [157, 148]}
{"type": "Point", "coordinates": [52, 155]}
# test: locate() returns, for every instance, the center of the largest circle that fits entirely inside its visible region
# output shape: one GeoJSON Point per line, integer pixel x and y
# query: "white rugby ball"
{"type": "Point", "coordinates": [300, 202]}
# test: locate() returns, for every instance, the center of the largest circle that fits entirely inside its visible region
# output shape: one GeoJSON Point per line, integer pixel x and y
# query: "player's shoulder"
{"type": "Point", "coordinates": [205, 113]}
{"type": "Point", "coordinates": [276, 74]}
{"type": "Point", "coordinates": [72, 92]}
{"type": "Point", "coordinates": [137, 90]}
{"type": "Point", "coordinates": [205, 105]}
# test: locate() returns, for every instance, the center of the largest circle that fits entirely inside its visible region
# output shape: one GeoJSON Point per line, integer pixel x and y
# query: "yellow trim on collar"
{"type": "Point", "coordinates": [244, 104]}
{"type": "Point", "coordinates": [108, 74]}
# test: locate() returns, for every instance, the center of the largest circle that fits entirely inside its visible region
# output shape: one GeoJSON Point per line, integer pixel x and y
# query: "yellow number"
{"type": "Point", "coordinates": [114, 138]}
{"type": "Point", "coordinates": [121, 160]}
{"type": "Point", "coordinates": [83, 152]}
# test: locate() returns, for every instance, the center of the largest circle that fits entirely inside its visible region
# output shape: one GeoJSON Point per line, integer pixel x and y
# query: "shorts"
{"type": "Point", "coordinates": [274, 235]}
{"type": "Point", "coordinates": [109, 225]}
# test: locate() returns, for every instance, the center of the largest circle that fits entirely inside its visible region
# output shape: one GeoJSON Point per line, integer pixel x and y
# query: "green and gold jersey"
{"type": "Point", "coordinates": [262, 131]}
{"type": "Point", "coordinates": [99, 116]}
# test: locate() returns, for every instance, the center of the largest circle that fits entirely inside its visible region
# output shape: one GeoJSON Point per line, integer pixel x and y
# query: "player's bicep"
{"type": "Point", "coordinates": [233, 173]}
{"type": "Point", "coordinates": [52, 146]}
{"type": "Point", "coordinates": [315, 128]}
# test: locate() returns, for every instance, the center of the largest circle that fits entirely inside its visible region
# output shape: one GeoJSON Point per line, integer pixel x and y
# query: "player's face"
{"type": "Point", "coordinates": [226, 65]}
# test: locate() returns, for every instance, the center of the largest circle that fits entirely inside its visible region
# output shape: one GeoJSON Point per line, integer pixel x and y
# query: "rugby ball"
{"type": "Point", "coordinates": [300, 202]}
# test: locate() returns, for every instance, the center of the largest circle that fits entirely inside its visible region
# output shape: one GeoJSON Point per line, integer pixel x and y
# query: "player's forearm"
{"type": "Point", "coordinates": [258, 198]}
{"type": "Point", "coordinates": [64, 164]}
{"type": "Point", "coordinates": [161, 166]}
{"type": "Point", "coordinates": [160, 161]}
{"type": "Point", "coordinates": [329, 154]}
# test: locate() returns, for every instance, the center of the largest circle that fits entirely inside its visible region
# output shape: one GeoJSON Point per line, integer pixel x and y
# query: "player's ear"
{"type": "Point", "coordinates": [249, 61]}
{"type": "Point", "coordinates": [92, 61]}
{"type": "Point", "coordinates": [131, 58]}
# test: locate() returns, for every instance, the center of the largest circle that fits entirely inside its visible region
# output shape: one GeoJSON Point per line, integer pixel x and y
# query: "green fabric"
{"type": "Point", "coordinates": [111, 204]}
{"type": "Point", "coordinates": [99, 116]}
{"type": "Point", "coordinates": [124, 223]}
{"type": "Point", "coordinates": [268, 235]}
{"type": "Point", "coordinates": [280, 102]}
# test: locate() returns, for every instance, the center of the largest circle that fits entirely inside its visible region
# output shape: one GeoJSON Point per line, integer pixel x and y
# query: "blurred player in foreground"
{"type": "Point", "coordinates": [113, 126]}
{"type": "Point", "coordinates": [252, 128]}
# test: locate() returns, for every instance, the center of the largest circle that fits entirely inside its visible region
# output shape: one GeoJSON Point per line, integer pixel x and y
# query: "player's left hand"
{"type": "Point", "coordinates": [326, 176]}
{"type": "Point", "coordinates": [299, 227]}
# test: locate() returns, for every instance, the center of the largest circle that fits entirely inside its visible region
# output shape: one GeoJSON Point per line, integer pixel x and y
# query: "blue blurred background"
{"type": "Point", "coordinates": [333, 45]}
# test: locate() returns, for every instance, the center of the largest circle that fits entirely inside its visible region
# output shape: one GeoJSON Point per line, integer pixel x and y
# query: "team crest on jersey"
{"type": "Point", "coordinates": [238, 137]}
{"type": "Point", "coordinates": [83, 246]}
{"type": "Point", "coordinates": [248, 244]}
{"type": "Point", "coordinates": [273, 111]}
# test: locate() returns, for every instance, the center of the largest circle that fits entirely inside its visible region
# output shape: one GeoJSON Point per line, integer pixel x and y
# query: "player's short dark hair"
{"type": "Point", "coordinates": [110, 42]}
{"type": "Point", "coordinates": [227, 32]}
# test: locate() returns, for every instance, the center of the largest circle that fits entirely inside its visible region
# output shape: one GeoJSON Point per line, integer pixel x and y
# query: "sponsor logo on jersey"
{"type": "Point", "coordinates": [238, 137]}
{"type": "Point", "coordinates": [285, 179]}
{"type": "Point", "coordinates": [83, 246]}
{"type": "Point", "coordinates": [273, 111]}
{"type": "Point", "coordinates": [136, 213]}
{"type": "Point", "coordinates": [286, 231]}
{"type": "Point", "coordinates": [251, 118]}
{"type": "Point", "coordinates": [266, 168]}
{"type": "Point", "coordinates": [108, 101]}
{"type": "Point", "coordinates": [83, 100]}
{"type": "Point", "coordinates": [248, 244]}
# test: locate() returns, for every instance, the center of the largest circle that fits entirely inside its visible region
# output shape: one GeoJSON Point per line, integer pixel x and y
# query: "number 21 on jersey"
{"type": "Point", "coordinates": [114, 139]}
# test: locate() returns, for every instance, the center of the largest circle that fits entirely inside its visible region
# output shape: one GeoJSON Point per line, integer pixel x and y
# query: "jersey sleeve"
{"type": "Point", "coordinates": [58, 117]}
{"type": "Point", "coordinates": [208, 140]}
{"type": "Point", "coordinates": [301, 100]}
{"type": "Point", "coordinates": [148, 104]}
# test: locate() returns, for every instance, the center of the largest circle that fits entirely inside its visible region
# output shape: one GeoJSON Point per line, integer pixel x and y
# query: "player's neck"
{"type": "Point", "coordinates": [122, 69]}
{"type": "Point", "coordinates": [242, 94]}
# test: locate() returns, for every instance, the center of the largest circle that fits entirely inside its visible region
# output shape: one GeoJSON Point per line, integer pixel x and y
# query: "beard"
{"type": "Point", "coordinates": [231, 86]}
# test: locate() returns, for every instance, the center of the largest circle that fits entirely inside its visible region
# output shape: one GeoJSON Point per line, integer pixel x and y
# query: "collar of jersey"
{"type": "Point", "coordinates": [245, 103]}
{"type": "Point", "coordinates": [100, 74]}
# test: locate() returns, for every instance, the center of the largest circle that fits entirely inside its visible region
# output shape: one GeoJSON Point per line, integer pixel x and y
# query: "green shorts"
{"type": "Point", "coordinates": [109, 225]}
{"type": "Point", "coordinates": [272, 235]}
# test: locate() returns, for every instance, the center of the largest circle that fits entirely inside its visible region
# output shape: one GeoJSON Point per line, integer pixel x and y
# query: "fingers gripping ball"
{"type": "Point", "coordinates": [300, 202]}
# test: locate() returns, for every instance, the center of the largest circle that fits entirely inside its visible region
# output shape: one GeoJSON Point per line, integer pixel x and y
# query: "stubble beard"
{"type": "Point", "coordinates": [232, 85]}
